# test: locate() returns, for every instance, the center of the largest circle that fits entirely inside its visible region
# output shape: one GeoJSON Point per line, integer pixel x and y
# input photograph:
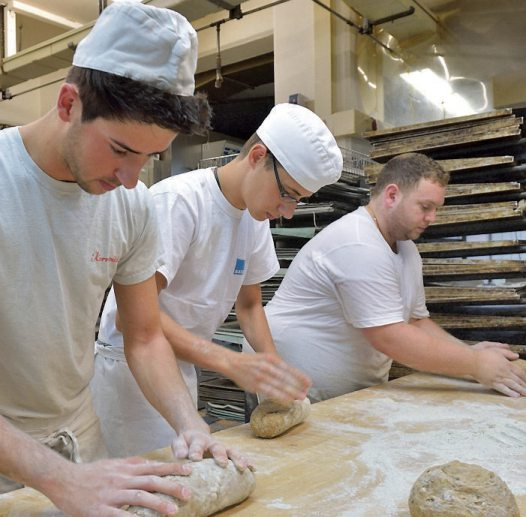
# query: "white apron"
{"type": "Point", "coordinates": [130, 424]}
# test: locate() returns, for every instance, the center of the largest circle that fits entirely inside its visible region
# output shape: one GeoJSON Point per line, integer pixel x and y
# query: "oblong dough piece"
{"type": "Point", "coordinates": [458, 489]}
{"type": "Point", "coordinates": [271, 418]}
{"type": "Point", "coordinates": [213, 488]}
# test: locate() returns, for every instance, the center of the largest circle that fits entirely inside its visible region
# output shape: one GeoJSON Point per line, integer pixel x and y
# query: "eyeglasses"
{"type": "Point", "coordinates": [286, 198]}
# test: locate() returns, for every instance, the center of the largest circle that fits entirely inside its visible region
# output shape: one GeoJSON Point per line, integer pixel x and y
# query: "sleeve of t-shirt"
{"type": "Point", "coordinates": [263, 262]}
{"type": "Point", "coordinates": [141, 260]}
{"type": "Point", "coordinates": [369, 291]}
{"type": "Point", "coordinates": [177, 222]}
{"type": "Point", "coordinates": [420, 308]}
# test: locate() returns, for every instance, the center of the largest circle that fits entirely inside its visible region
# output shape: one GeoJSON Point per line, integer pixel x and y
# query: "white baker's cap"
{"type": "Point", "coordinates": [144, 43]}
{"type": "Point", "coordinates": [303, 144]}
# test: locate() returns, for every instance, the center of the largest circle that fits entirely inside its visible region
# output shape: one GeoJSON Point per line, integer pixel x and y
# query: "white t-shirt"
{"type": "Point", "coordinates": [345, 278]}
{"type": "Point", "coordinates": [61, 248]}
{"type": "Point", "coordinates": [209, 250]}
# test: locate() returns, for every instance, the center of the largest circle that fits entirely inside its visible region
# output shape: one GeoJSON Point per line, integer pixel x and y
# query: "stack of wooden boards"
{"type": "Point", "coordinates": [475, 279]}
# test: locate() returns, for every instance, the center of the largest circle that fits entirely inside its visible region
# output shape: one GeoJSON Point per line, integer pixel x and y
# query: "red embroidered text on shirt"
{"type": "Point", "coordinates": [97, 257]}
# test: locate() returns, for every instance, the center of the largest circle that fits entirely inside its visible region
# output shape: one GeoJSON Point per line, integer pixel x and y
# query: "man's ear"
{"type": "Point", "coordinates": [391, 194]}
{"type": "Point", "coordinates": [257, 152]}
{"type": "Point", "coordinates": [68, 97]}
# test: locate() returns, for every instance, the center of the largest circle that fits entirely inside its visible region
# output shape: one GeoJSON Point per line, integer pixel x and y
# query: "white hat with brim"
{"type": "Point", "coordinates": [144, 43]}
{"type": "Point", "coordinates": [303, 144]}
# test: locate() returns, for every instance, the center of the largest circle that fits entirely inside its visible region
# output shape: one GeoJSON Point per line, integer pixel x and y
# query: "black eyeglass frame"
{"type": "Point", "coordinates": [287, 198]}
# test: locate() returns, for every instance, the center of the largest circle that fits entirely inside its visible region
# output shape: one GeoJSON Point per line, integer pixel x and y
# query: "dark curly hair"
{"type": "Point", "coordinates": [114, 97]}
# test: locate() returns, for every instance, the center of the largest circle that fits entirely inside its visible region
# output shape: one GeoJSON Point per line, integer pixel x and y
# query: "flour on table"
{"type": "Point", "coordinates": [380, 472]}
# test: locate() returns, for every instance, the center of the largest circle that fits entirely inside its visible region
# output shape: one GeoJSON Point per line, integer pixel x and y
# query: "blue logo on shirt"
{"type": "Point", "coordinates": [240, 267]}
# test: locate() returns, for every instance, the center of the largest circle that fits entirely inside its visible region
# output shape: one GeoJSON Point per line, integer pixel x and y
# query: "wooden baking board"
{"type": "Point", "coordinates": [358, 455]}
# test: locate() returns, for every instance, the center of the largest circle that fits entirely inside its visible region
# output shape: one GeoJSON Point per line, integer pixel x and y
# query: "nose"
{"type": "Point", "coordinates": [287, 211]}
{"type": "Point", "coordinates": [128, 176]}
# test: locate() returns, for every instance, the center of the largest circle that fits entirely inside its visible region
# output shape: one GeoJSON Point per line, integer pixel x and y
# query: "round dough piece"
{"type": "Point", "coordinates": [459, 489]}
{"type": "Point", "coordinates": [213, 488]}
{"type": "Point", "coordinates": [271, 418]}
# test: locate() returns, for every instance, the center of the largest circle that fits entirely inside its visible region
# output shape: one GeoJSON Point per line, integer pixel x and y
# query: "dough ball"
{"type": "Point", "coordinates": [271, 418]}
{"type": "Point", "coordinates": [459, 489]}
{"type": "Point", "coordinates": [213, 489]}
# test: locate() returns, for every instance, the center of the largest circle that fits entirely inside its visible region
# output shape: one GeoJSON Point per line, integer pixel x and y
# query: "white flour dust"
{"type": "Point", "coordinates": [278, 504]}
{"type": "Point", "coordinates": [413, 438]}
{"type": "Point", "coordinates": [393, 439]}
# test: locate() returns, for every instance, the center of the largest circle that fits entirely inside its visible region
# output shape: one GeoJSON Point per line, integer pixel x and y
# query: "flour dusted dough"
{"type": "Point", "coordinates": [459, 489]}
{"type": "Point", "coordinates": [271, 418]}
{"type": "Point", "coordinates": [213, 488]}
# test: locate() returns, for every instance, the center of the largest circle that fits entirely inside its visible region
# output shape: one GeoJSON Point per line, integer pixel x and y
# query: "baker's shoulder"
{"type": "Point", "coordinates": [8, 133]}
{"type": "Point", "coordinates": [187, 182]}
{"type": "Point", "coordinates": [346, 228]}
{"type": "Point", "coordinates": [10, 140]}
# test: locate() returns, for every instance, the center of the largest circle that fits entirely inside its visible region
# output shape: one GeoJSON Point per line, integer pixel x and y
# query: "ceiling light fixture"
{"type": "Point", "coordinates": [438, 91]}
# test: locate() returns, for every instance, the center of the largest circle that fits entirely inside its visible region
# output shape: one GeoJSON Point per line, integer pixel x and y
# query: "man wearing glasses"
{"type": "Point", "coordinates": [216, 250]}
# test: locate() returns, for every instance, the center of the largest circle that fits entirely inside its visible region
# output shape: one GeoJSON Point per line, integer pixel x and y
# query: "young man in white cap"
{"type": "Point", "coordinates": [129, 93]}
{"type": "Point", "coordinates": [353, 298]}
{"type": "Point", "coordinates": [216, 249]}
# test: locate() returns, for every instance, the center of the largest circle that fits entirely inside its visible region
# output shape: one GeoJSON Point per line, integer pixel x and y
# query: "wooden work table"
{"type": "Point", "coordinates": [358, 455]}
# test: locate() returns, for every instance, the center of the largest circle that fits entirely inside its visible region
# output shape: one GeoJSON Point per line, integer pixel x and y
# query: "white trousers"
{"type": "Point", "coordinates": [130, 424]}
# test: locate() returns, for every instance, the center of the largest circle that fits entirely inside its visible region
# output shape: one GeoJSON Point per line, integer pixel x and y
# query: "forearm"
{"type": "Point", "coordinates": [155, 368]}
{"type": "Point", "coordinates": [196, 350]}
{"type": "Point", "coordinates": [26, 461]}
{"type": "Point", "coordinates": [410, 345]}
{"type": "Point", "coordinates": [254, 325]}
{"type": "Point", "coordinates": [433, 329]}
{"type": "Point", "coordinates": [252, 319]}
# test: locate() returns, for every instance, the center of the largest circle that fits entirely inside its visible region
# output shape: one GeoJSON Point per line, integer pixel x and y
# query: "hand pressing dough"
{"type": "Point", "coordinates": [213, 488]}
{"type": "Point", "coordinates": [459, 489]}
{"type": "Point", "coordinates": [271, 418]}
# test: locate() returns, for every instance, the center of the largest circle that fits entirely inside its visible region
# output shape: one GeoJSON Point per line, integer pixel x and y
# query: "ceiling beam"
{"type": "Point", "coordinates": [42, 59]}
{"type": "Point", "coordinates": [57, 52]}
{"type": "Point", "coordinates": [223, 4]}
{"type": "Point", "coordinates": [26, 9]}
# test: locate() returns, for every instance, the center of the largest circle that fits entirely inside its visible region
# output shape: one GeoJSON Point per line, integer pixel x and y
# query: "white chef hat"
{"type": "Point", "coordinates": [303, 144]}
{"type": "Point", "coordinates": [144, 43]}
